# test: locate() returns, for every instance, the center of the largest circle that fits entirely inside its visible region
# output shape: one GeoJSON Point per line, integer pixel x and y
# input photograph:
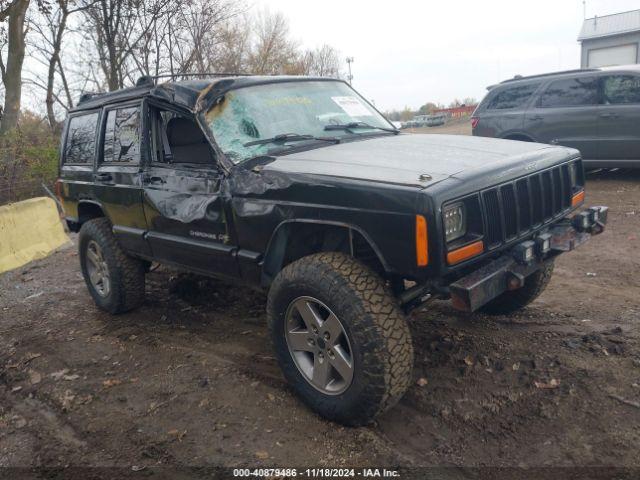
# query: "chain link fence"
{"type": "Point", "coordinates": [18, 182]}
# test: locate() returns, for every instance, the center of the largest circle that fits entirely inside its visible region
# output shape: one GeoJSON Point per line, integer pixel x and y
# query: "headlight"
{"type": "Point", "coordinates": [573, 174]}
{"type": "Point", "coordinates": [455, 221]}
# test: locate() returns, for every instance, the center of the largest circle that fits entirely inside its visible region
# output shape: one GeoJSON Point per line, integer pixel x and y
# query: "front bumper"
{"type": "Point", "coordinates": [510, 271]}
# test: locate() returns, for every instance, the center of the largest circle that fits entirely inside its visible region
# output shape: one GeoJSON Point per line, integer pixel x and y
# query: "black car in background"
{"type": "Point", "coordinates": [300, 187]}
{"type": "Point", "coordinates": [596, 111]}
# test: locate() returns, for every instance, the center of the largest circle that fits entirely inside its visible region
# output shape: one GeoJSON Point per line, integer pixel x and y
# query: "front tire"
{"type": "Point", "coordinates": [340, 338]}
{"type": "Point", "coordinates": [514, 300]}
{"type": "Point", "coordinates": [115, 280]}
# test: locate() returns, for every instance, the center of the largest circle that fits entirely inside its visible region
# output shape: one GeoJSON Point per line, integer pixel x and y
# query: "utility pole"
{"type": "Point", "coordinates": [349, 62]}
{"type": "Point", "coordinates": [584, 9]}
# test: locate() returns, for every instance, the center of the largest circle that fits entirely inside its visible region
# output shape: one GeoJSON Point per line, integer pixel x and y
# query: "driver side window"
{"type": "Point", "coordinates": [178, 139]}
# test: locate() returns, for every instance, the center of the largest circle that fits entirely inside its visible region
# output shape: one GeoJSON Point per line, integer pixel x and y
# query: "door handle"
{"type": "Point", "coordinates": [103, 177]}
{"type": "Point", "coordinates": [609, 115]}
{"type": "Point", "coordinates": [536, 117]}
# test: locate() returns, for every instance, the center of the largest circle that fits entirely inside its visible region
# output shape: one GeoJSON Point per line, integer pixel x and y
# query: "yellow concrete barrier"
{"type": "Point", "coordinates": [29, 230]}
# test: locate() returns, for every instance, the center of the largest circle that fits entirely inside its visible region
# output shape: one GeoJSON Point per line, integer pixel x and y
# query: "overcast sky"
{"type": "Point", "coordinates": [408, 52]}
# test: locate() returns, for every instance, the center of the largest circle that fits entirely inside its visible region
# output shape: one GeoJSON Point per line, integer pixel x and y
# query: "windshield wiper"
{"type": "Point", "coordinates": [352, 125]}
{"type": "Point", "coordinates": [290, 137]}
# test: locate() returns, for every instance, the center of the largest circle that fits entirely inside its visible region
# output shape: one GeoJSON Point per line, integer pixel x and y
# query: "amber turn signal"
{"type": "Point", "coordinates": [577, 198]}
{"type": "Point", "coordinates": [422, 244]}
{"type": "Point", "coordinates": [462, 254]}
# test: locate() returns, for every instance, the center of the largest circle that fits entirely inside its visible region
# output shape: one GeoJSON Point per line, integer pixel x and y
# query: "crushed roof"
{"type": "Point", "coordinates": [189, 94]}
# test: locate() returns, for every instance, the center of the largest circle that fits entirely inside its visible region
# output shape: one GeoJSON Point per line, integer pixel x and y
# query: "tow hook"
{"type": "Point", "coordinates": [515, 280]}
{"type": "Point", "coordinates": [592, 220]}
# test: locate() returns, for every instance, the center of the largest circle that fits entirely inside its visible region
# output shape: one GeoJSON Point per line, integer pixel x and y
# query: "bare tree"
{"type": "Point", "coordinates": [198, 29]}
{"type": "Point", "coordinates": [324, 61]}
{"type": "Point", "coordinates": [178, 37]}
{"type": "Point", "coordinates": [149, 52]}
{"type": "Point", "coordinates": [273, 51]}
{"type": "Point", "coordinates": [14, 13]}
{"type": "Point", "coordinates": [50, 28]}
{"type": "Point", "coordinates": [231, 51]}
{"type": "Point", "coordinates": [115, 29]}
{"type": "Point", "coordinates": [105, 22]}
{"type": "Point", "coordinates": [112, 42]}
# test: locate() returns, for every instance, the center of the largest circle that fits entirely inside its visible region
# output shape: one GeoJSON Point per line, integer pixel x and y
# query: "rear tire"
{"type": "Point", "coordinates": [115, 280]}
{"type": "Point", "coordinates": [514, 300]}
{"type": "Point", "coordinates": [373, 332]}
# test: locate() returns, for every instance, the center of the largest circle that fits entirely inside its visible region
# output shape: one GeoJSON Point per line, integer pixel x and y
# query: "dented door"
{"type": "Point", "coordinates": [186, 218]}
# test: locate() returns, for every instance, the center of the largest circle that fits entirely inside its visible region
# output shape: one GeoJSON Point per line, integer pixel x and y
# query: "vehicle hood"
{"type": "Point", "coordinates": [403, 159]}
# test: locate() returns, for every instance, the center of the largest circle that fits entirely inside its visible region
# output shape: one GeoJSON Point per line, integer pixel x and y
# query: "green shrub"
{"type": "Point", "coordinates": [28, 157]}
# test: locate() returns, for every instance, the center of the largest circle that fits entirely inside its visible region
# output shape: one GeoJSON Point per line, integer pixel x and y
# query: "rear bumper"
{"type": "Point", "coordinates": [510, 271]}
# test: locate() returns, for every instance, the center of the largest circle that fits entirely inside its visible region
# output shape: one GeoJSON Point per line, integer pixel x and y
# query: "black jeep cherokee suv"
{"type": "Point", "coordinates": [300, 186]}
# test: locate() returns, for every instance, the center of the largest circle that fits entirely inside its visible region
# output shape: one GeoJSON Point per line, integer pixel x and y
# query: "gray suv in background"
{"type": "Point", "coordinates": [596, 111]}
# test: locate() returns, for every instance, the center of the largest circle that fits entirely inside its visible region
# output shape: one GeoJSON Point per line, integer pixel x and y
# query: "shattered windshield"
{"type": "Point", "coordinates": [261, 119]}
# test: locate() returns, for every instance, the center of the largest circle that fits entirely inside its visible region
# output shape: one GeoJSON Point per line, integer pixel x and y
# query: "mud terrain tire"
{"type": "Point", "coordinates": [126, 274]}
{"type": "Point", "coordinates": [514, 300]}
{"type": "Point", "coordinates": [377, 332]}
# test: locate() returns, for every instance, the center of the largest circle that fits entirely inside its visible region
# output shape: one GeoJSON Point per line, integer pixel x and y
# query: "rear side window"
{"type": "Point", "coordinates": [122, 136]}
{"type": "Point", "coordinates": [80, 145]}
{"type": "Point", "coordinates": [621, 89]}
{"type": "Point", "coordinates": [571, 92]}
{"type": "Point", "coordinates": [513, 97]}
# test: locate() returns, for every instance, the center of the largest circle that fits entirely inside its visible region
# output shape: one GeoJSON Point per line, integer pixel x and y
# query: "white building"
{"type": "Point", "coordinates": [611, 40]}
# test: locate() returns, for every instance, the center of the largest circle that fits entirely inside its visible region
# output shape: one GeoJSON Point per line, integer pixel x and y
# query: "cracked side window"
{"type": "Point", "coordinates": [122, 136]}
{"type": "Point", "coordinates": [81, 139]}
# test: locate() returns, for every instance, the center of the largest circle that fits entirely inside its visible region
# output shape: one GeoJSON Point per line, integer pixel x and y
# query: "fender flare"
{"type": "Point", "coordinates": [275, 251]}
{"type": "Point", "coordinates": [95, 203]}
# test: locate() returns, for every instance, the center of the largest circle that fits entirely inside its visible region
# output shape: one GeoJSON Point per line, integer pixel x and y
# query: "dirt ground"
{"type": "Point", "coordinates": [190, 379]}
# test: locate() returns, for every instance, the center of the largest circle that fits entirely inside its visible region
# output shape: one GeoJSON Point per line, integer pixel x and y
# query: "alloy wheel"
{"type": "Point", "coordinates": [319, 345]}
{"type": "Point", "coordinates": [97, 269]}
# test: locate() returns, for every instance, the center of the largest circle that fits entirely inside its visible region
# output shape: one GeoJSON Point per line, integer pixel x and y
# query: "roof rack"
{"type": "Point", "coordinates": [541, 75]}
{"type": "Point", "coordinates": [149, 81]}
{"type": "Point", "coordinates": [152, 79]}
{"type": "Point", "coordinates": [86, 96]}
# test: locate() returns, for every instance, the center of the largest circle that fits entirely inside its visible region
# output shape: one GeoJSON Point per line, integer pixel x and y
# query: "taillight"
{"type": "Point", "coordinates": [58, 189]}
{"type": "Point", "coordinates": [474, 122]}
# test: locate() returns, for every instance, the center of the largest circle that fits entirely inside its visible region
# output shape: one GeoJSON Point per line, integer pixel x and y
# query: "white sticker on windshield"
{"type": "Point", "coordinates": [352, 106]}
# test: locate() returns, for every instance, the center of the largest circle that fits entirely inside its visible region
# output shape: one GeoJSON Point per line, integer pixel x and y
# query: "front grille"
{"type": "Point", "coordinates": [513, 209]}
{"type": "Point", "coordinates": [492, 209]}
{"type": "Point", "coordinates": [510, 210]}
